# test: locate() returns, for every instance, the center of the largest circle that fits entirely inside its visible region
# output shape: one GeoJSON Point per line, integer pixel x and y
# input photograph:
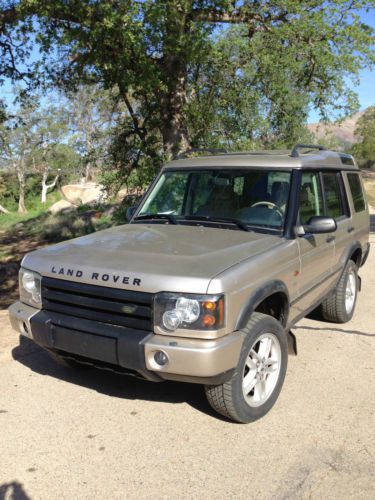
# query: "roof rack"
{"type": "Point", "coordinates": [297, 147]}
{"type": "Point", "coordinates": [193, 151]}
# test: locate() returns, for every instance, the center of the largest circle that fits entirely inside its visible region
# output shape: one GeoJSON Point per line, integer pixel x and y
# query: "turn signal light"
{"type": "Point", "coordinates": [210, 306]}
{"type": "Point", "coordinates": [208, 320]}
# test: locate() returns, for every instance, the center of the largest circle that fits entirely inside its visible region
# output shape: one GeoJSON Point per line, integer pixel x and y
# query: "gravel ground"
{"type": "Point", "coordinates": [92, 434]}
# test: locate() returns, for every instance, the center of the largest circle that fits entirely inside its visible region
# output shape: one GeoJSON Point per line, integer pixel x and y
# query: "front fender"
{"type": "Point", "coordinates": [264, 291]}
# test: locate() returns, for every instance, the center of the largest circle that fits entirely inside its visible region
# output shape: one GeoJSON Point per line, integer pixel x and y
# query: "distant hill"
{"type": "Point", "coordinates": [343, 132]}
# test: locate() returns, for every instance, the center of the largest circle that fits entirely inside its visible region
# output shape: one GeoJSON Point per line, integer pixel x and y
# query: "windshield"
{"type": "Point", "coordinates": [255, 197]}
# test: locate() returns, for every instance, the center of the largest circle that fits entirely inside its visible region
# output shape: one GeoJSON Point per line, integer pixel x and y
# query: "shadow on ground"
{"type": "Point", "coordinates": [340, 330]}
{"type": "Point", "coordinates": [112, 384]}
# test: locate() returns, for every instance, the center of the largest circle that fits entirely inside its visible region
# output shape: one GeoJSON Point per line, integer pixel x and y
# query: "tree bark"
{"type": "Point", "coordinates": [46, 187]}
{"type": "Point", "coordinates": [21, 199]}
{"type": "Point", "coordinates": [173, 129]}
{"type": "Point", "coordinates": [89, 148]}
{"type": "Point", "coordinates": [22, 186]}
{"type": "Point", "coordinates": [88, 174]}
{"type": "Point", "coordinates": [174, 67]}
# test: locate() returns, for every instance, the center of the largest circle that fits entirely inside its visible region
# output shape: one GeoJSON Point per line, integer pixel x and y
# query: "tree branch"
{"type": "Point", "coordinates": [140, 131]}
{"type": "Point", "coordinates": [9, 16]}
{"type": "Point", "coordinates": [237, 16]}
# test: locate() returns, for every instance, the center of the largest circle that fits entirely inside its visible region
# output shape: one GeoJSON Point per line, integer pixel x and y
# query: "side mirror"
{"type": "Point", "coordinates": [130, 212]}
{"type": "Point", "coordinates": [318, 224]}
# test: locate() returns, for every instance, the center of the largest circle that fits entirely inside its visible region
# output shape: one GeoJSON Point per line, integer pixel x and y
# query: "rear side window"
{"type": "Point", "coordinates": [357, 192]}
{"type": "Point", "coordinates": [332, 192]}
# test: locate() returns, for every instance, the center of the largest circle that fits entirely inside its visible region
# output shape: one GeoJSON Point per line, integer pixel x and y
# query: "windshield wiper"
{"type": "Point", "coordinates": [170, 218]}
{"type": "Point", "coordinates": [236, 222]}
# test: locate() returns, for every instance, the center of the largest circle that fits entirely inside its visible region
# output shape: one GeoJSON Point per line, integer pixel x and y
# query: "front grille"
{"type": "Point", "coordinates": [112, 306]}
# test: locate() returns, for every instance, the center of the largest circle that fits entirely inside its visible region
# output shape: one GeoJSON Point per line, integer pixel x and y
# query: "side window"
{"type": "Point", "coordinates": [311, 199]}
{"type": "Point", "coordinates": [332, 192]}
{"type": "Point", "coordinates": [357, 192]}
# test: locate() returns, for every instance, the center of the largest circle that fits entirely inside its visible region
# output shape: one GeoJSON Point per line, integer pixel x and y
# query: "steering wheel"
{"type": "Point", "coordinates": [271, 205]}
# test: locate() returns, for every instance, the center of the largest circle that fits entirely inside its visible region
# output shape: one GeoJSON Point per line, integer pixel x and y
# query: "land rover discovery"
{"type": "Point", "coordinates": [224, 254]}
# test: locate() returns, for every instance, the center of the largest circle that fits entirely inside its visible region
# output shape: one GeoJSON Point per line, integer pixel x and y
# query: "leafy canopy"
{"type": "Point", "coordinates": [197, 73]}
{"type": "Point", "coordinates": [365, 132]}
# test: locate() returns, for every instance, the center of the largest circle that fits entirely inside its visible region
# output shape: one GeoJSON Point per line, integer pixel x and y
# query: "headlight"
{"type": "Point", "coordinates": [174, 311]}
{"type": "Point", "coordinates": [30, 288]}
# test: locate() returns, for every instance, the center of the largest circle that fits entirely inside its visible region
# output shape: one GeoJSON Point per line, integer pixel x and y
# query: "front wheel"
{"type": "Point", "coordinates": [258, 378]}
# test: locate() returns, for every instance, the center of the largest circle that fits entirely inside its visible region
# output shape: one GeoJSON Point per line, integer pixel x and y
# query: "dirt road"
{"type": "Point", "coordinates": [93, 435]}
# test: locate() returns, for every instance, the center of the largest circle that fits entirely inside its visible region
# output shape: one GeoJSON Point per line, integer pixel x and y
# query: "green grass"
{"type": "Point", "coordinates": [20, 234]}
{"type": "Point", "coordinates": [35, 208]}
{"type": "Point", "coordinates": [40, 227]}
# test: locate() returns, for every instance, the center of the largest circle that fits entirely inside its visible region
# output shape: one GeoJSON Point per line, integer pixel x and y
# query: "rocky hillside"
{"type": "Point", "coordinates": [343, 132]}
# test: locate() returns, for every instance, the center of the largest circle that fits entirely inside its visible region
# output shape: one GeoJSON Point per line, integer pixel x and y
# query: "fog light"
{"type": "Point", "coordinates": [160, 358]}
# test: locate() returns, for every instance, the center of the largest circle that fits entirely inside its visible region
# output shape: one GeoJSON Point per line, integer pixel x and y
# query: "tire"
{"type": "Point", "coordinates": [340, 305]}
{"type": "Point", "coordinates": [68, 363]}
{"type": "Point", "coordinates": [265, 335]}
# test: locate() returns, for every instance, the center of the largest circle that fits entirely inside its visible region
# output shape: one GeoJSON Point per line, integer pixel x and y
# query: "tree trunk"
{"type": "Point", "coordinates": [21, 199]}
{"type": "Point", "coordinates": [173, 130]}
{"type": "Point", "coordinates": [22, 185]}
{"type": "Point", "coordinates": [89, 146]}
{"type": "Point", "coordinates": [4, 210]}
{"type": "Point", "coordinates": [46, 187]}
{"type": "Point", "coordinates": [88, 174]}
{"type": "Point", "coordinates": [175, 68]}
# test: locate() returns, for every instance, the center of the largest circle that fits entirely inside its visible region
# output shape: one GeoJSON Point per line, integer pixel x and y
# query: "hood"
{"type": "Point", "coordinates": [150, 257]}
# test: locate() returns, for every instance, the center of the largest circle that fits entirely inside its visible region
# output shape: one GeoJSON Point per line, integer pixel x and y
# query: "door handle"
{"type": "Point", "coordinates": [330, 238]}
{"type": "Point", "coordinates": [351, 229]}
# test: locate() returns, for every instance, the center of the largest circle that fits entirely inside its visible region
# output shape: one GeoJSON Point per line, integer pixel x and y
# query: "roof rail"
{"type": "Point", "coordinates": [297, 147]}
{"type": "Point", "coordinates": [191, 152]}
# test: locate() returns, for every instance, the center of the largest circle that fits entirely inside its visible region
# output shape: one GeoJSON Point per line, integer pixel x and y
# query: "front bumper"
{"type": "Point", "coordinates": [191, 360]}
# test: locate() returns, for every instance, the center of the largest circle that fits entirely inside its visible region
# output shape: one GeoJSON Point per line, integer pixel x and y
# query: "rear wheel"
{"type": "Point", "coordinates": [258, 378]}
{"type": "Point", "coordinates": [340, 305]}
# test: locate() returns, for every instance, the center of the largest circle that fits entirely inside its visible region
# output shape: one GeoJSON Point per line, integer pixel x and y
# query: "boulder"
{"type": "Point", "coordinates": [83, 193]}
{"type": "Point", "coordinates": [60, 206]}
{"type": "Point", "coordinates": [123, 193]}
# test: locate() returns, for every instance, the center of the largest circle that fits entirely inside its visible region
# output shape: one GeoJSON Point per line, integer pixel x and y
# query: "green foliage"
{"type": "Point", "coordinates": [244, 97]}
{"type": "Point", "coordinates": [9, 192]}
{"type": "Point", "coordinates": [364, 150]}
{"type": "Point", "coordinates": [186, 80]}
{"type": "Point", "coordinates": [132, 161]}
